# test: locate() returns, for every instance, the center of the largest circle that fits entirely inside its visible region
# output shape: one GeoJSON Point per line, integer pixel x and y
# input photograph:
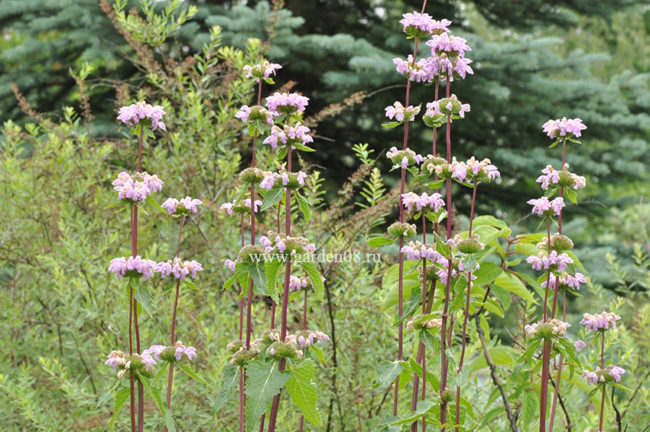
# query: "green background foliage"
{"type": "Point", "coordinates": [62, 312]}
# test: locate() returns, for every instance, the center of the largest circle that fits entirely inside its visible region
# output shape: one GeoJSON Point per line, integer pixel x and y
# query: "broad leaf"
{"type": "Point", "coordinates": [303, 392]}
{"type": "Point", "coordinates": [263, 382]}
{"type": "Point", "coordinates": [271, 198]}
{"type": "Point", "coordinates": [314, 276]}
{"type": "Point", "coordinates": [387, 373]}
{"type": "Point", "coordinates": [121, 396]}
{"type": "Point", "coordinates": [229, 379]}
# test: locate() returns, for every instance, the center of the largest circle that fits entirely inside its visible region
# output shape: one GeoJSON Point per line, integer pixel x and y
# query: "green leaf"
{"type": "Point", "coordinates": [430, 342]}
{"type": "Point", "coordinates": [229, 379]}
{"type": "Point", "coordinates": [272, 268]}
{"type": "Point", "coordinates": [141, 294]}
{"type": "Point", "coordinates": [190, 284]}
{"type": "Point", "coordinates": [258, 274]}
{"type": "Point", "coordinates": [121, 396]}
{"type": "Point", "coordinates": [442, 247]}
{"type": "Point", "coordinates": [529, 407]}
{"type": "Point", "coordinates": [423, 408]}
{"type": "Point", "coordinates": [486, 274]}
{"type": "Point", "coordinates": [189, 372]}
{"type": "Point", "coordinates": [436, 184]}
{"type": "Point", "coordinates": [229, 282]}
{"type": "Point", "coordinates": [318, 353]}
{"type": "Point", "coordinates": [302, 147]}
{"type": "Point", "coordinates": [304, 206]}
{"type": "Point", "coordinates": [391, 125]}
{"type": "Point", "coordinates": [514, 285]}
{"type": "Point", "coordinates": [387, 373]}
{"type": "Point", "coordinates": [314, 276]}
{"type": "Point", "coordinates": [263, 382]}
{"type": "Point", "coordinates": [489, 220]}
{"type": "Point", "coordinates": [155, 394]}
{"type": "Point", "coordinates": [375, 242]}
{"type": "Point", "coordinates": [271, 198]}
{"type": "Point", "coordinates": [151, 201]}
{"type": "Point", "coordinates": [571, 194]}
{"type": "Point", "coordinates": [303, 392]}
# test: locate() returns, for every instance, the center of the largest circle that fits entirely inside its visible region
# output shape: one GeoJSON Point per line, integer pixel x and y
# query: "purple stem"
{"type": "Point", "coordinates": [466, 312]}
{"type": "Point", "coordinates": [602, 366]}
{"type": "Point", "coordinates": [443, 333]}
{"type": "Point", "coordinates": [170, 378]}
{"type": "Point", "coordinates": [285, 297]}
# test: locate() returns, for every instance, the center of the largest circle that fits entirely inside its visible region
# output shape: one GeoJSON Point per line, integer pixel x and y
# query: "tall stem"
{"type": "Point", "coordinates": [285, 296]}
{"type": "Point", "coordinates": [466, 311]}
{"type": "Point", "coordinates": [170, 378]}
{"type": "Point", "coordinates": [400, 294]}
{"type": "Point", "coordinates": [421, 358]}
{"type": "Point", "coordinates": [556, 394]}
{"type": "Point", "coordinates": [602, 366]}
{"type": "Point", "coordinates": [546, 359]}
{"type": "Point", "coordinates": [134, 252]}
{"type": "Point", "coordinates": [443, 333]}
{"type": "Point", "coordinates": [249, 300]}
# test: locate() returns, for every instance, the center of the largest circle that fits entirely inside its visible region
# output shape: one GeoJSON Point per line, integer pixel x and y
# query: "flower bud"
{"type": "Point", "coordinates": [400, 230]}
{"type": "Point", "coordinates": [247, 252]}
{"type": "Point", "coordinates": [280, 350]}
{"type": "Point", "coordinates": [470, 245]}
{"type": "Point", "coordinates": [242, 357]}
{"type": "Point", "coordinates": [448, 395]}
{"type": "Point", "coordinates": [561, 243]}
{"type": "Point", "coordinates": [566, 179]}
{"type": "Point", "coordinates": [235, 346]}
{"type": "Point", "coordinates": [251, 175]}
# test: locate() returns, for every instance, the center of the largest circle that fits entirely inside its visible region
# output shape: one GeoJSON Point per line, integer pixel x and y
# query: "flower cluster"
{"type": "Point", "coordinates": [545, 207]}
{"type": "Point", "coordinates": [286, 103]}
{"type": "Point", "coordinates": [457, 267]}
{"type": "Point", "coordinates": [291, 180]}
{"type": "Point", "coordinates": [548, 329]}
{"type": "Point", "coordinates": [289, 135]}
{"type": "Point", "coordinates": [403, 158]}
{"type": "Point", "coordinates": [424, 201]}
{"type": "Point", "coordinates": [445, 43]}
{"type": "Point", "coordinates": [418, 24]}
{"type": "Point", "coordinates": [401, 230]}
{"type": "Point", "coordinates": [132, 267]}
{"type": "Point", "coordinates": [255, 114]}
{"type": "Point", "coordinates": [417, 251]}
{"type": "Point", "coordinates": [263, 70]}
{"type": "Point", "coordinates": [170, 353]}
{"type": "Point", "coordinates": [564, 128]}
{"type": "Point", "coordinates": [552, 261]}
{"type": "Point", "coordinates": [564, 280]}
{"type": "Point", "coordinates": [400, 113]}
{"type": "Point", "coordinates": [181, 207]}
{"type": "Point", "coordinates": [474, 171]}
{"type": "Point", "coordinates": [562, 178]}
{"type": "Point", "coordinates": [286, 244]}
{"type": "Point", "coordinates": [439, 111]}
{"type": "Point", "coordinates": [611, 373]}
{"type": "Point", "coordinates": [601, 321]}
{"type": "Point", "coordinates": [559, 242]}
{"type": "Point", "coordinates": [240, 207]}
{"type": "Point", "coordinates": [423, 323]}
{"type": "Point", "coordinates": [180, 269]}
{"type": "Point", "coordinates": [136, 188]}
{"type": "Point", "coordinates": [418, 71]}
{"type": "Point", "coordinates": [133, 114]}
{"type": "Point", "coordinates": [121, 363]}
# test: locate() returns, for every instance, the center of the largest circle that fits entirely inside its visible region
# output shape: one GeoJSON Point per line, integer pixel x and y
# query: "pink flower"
{"type": "Point", "coordinates": [132, 267]}
{"type": "Point", "coordinates": [580, 345]}
{"type": "Point", "coordinates": [286, 103]}
{"type": "Point", "coordinates": [190, 352]}
{"type": "Point", "coordinates": [289, 135]}
{"type": "Point", "coordinates": [136, 188]}
{"type": "Point", "coordinates": [263, 70]}
{"type": "Point", "coordinates": [450, 45]}
{"type": "Point", "coordinates": [600, 322]}
{"type": "Point", "coordinates": [422, 23]}
{"type": "Point", "coordinates": [132, 114]}
{"type": "Point", "coordinates": [424, 201]}
{"type": "Point", "coordinates": [544, 207]}
{"type": "Point", "coordinates": [230, 264]}
{"type": "Point", "coordinates": [564, 127]}
{"type": "Point", "coordinates": [180, 269]}
{"type": "Point", "coordinates": [400, 113]}
{"type": "Point", "coordinates": [115, 359]}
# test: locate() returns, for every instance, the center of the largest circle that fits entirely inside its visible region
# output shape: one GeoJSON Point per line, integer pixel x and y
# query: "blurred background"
{"type": "Point", "coordinates": [66, 66]}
